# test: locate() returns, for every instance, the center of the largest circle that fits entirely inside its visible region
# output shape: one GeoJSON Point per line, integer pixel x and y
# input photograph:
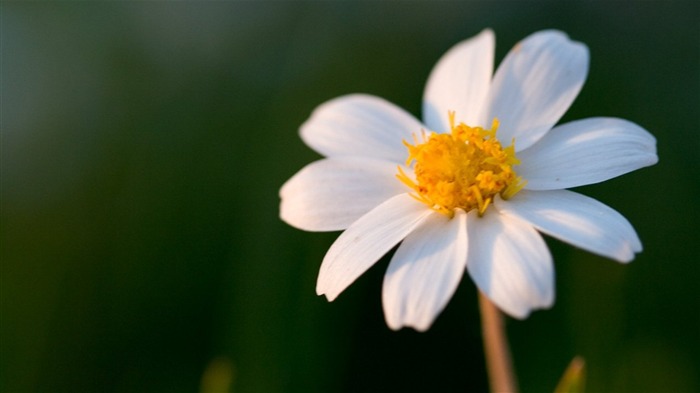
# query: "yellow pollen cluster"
{"type": "Point", "coordinates": [464, 169]}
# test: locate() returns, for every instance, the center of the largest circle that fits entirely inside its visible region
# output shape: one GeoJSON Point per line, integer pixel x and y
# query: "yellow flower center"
{"type": "Point", "coordinates": [464, 169]}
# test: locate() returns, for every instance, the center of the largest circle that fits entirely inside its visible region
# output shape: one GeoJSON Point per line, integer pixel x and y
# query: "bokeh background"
{"type": "Point", "coordinates": [143, 147]}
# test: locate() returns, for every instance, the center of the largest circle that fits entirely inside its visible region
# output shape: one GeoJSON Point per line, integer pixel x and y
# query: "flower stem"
{"type": "Point", "coordinates": [498, 360]}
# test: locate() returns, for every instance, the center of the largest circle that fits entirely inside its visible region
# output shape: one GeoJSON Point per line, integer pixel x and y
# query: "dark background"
{"type": "Point", "coordinates": [143, 146]}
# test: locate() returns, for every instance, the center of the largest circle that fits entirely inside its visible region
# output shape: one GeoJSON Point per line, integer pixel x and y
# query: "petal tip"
{"type": "Point", "coordinates": [324, 289]}
{"type": "Point", "coordinates": [653, 159]}
{"type": "Point", "coordinates": [329, 296]}
{"type": "Point", "coordinates": [420, 327]}
{"type": "Point", "coordinates": [626, 258]}
{"type": "Point", "coordinates": [548, 302]}
{"type": "Point", "coordinates": [629, 250]}
{"type": "Point", "coordinates": [517, 314]}
{"type": "Point", "coordinates": [488, 33]}
{"type": "Point", "coordinates": [321, 287]}
{"type": "Point", "coordinates": [393, 325]}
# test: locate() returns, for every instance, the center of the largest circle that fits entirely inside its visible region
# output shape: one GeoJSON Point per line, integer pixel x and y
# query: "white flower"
{"type": "Point", "coordinates": [460, 195]}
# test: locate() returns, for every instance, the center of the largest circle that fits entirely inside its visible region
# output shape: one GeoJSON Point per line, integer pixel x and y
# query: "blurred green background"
{"type": "Point", "coordinates": [143, 146]}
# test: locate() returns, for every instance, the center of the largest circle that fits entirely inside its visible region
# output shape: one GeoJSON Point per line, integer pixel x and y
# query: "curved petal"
{"type": "Point", "coordinates": [585, 152]}
{"type": "Point", "coordinates": [459, 82]}
{"type": "Point", "coordinates": [510, 263]}
{"type": "Point", "coordinates": [331, 194]}
{"type": "Point", "coordinates": [425, 272]}
{"type": "Point", "coordinates": [366, 240]}
{"type": "Point", "coordinates": [360, 125]}
{"type": "Point", "coordinates": [576, 219]}
{"type": "Point", "coordinates": [534, 85]}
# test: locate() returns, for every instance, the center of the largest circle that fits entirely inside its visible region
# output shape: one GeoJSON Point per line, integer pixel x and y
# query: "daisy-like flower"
{"type": "Point", "coordinates": [471, 185]}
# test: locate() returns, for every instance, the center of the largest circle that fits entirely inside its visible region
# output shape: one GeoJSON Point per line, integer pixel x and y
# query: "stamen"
{"type": "Point", "coordinates": [464, 169]}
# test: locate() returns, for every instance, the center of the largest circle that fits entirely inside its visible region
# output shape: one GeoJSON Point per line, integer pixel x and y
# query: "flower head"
{"type": "Point", "coordinates": [471, 186]}
{"type": "Point", "coordinates": [464, 169]}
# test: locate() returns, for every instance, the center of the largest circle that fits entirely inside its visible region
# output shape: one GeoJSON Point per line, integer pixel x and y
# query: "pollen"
{"type": "Point", "coordinates": [464, 169]}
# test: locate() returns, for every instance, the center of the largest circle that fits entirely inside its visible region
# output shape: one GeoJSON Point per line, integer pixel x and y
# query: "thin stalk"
{"type": "Point", "coordinates": [498, 360]}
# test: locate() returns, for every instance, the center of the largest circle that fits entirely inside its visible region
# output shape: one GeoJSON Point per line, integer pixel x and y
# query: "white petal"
{"type": "Point", "coordinates": [360, 125]}
{"type": "Point", "coordinates": [425, 272]}
{"type": "Point", "coordinates": [331, 194]}
{"type": "Point", "coordinates": [534, 85]}
{"type": "Point", "coordinates": [366, 240]}
{"type": "Point", "coordinates": [576, 219]}
{"type": "Point", "coordinates": [459, 82]}
{"type": "Point", "coordinates": [510, 263]}
{"type": "Point", "coordinates": [585, 152]}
